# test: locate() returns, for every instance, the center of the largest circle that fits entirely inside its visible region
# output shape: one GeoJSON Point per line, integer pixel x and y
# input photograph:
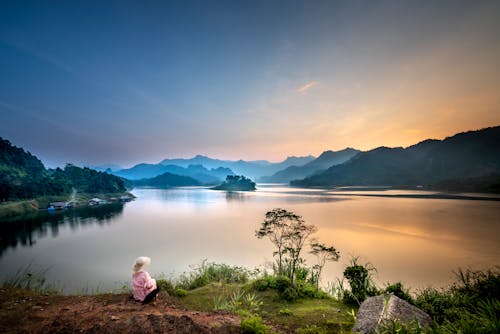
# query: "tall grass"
{"type": "Point", "coordinates": [28, 278]}
{"type": "Point", "coordinates": [470, 305]}
{"type": "Point", "coordinates": [210, 272]}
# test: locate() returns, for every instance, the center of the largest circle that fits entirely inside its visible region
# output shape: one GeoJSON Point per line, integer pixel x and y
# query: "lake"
{"type": "Point", "coordinates": [406, 235]}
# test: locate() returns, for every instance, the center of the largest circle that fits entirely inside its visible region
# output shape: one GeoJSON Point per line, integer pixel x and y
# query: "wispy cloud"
{"type": "Point", "coordinates": [304, 88]}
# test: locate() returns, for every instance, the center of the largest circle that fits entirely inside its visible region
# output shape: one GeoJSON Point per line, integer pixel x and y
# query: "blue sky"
{"type": "Point", "coordinates": [94, 82]}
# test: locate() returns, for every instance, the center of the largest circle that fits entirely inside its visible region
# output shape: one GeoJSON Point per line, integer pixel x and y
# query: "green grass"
{"type": "Point", "coordinates": [203, 298]}
{"type": "Point", "coordinates": [327, 313]}
{"type": "Point", "coordinates": [17, 208]}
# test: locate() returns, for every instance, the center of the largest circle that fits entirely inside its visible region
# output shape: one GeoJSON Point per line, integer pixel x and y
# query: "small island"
{"type": "Point", "coordinates": [236, 183]}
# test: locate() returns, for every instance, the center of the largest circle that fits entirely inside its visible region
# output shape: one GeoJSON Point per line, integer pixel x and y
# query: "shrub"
{"type": "Point", "coordinates": [281, 283]}
{"type": "Point", "coordinates": [290, 293]}
{"type": "Point", "coordinates": [438, 304]}
{"type": "Point", "coordinates": [264, 283]}
{"type": "Point", "coordinates": [302, 273]}
{"type": "Point", "coordinates": [285, 311]}
{"type": "Point", "coordinates": [180, 293]}
{"type": "Point", "coordinates": [360, 281]}
{"type": "Point", "coordinates": [471, 305]}
{"type": "Point", "coordinates": [399, 291]}
{"type": "Point", "coordinates": [253, 325]}
{"type": "Point", "coordinates": [478, 285]}
{"type": "Point", "coordinates": [307, 290]}
{"type": "Point", "coordinates": [472, 289]}
{"type": "Point", "coordinates": [208, 272]}
{"type": "Point", "coordinates": [166, 285]}
{"type": "Point", "coordinates": [238, 301]}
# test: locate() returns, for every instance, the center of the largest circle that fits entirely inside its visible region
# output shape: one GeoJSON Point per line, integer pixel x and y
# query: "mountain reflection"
{"type": "Point", "coordinates": [27, 230]}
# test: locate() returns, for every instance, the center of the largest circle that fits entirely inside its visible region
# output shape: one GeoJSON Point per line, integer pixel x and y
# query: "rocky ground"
{"type": "Point", "coordinates": [26, 312]}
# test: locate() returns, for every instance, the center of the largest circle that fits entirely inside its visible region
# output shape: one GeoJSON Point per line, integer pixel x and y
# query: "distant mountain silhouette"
{"type": "Point", "coordinates": [216, 168]}
{"type": "Point", "coordinates": [108, 168]}
{"type": "Point", "coordinates": [167, 180]}
{"type": "Point", "coordinates": [198, 172]}
{"type": "Point", "coordinates": [325, 160]}
{"type": "Point", "coordinates": [468, 155]}
{"type": "Point", "coordinates": [254, 169]}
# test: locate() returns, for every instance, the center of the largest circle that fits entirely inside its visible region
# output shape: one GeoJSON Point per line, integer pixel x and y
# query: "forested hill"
{"type": "Point", "coordinates": [471, 158]}
{"type": "Point", "coordinates": [323, 162]}
{"type": "Point", "coordinates": [167, 180]}
{"type": "Point", "coordinates": [23, 175]}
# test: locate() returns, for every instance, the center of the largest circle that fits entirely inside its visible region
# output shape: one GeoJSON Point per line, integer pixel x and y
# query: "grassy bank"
{"type": "Point", "coordinates": [327, 314]}
{"type": "Point", "coordinates": [13, 209]}
{"type": "Point", "coordinates": [470, 305]}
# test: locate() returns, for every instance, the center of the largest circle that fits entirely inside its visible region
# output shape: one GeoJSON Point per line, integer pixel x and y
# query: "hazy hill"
{"type": "Point", "coordinates": [324, 161]}
{"type": "Point", "coordinates": [198, 172]}
{"type": "Point", "coordinates": [470, 154]}
{"type": "Point", "coordinates": [167, 180]}
{"type": "Point", "coordinates": [106, 168]}
{"type": "Point", "coordinates": [214, 168]}
{"type": "Point", "coordinates": [254, 169]}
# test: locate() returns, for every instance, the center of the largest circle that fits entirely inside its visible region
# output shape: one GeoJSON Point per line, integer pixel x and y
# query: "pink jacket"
{"type": "Point", "coordinates": [142, 284]}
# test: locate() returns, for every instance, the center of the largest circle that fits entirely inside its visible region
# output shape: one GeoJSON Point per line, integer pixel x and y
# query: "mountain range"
{"type": "Point", "coordinates": [215, 170]}
{"type": "Point", "coordinates": [253, 169]}
{"type": "Point", "coordinates": [472, 155]}
{"type": "Point", "coordinates": [198, 172]}
{"type": "Point", "coordinates": [468, 161]}
{"type": "Point", "coordinates": [325, 160]}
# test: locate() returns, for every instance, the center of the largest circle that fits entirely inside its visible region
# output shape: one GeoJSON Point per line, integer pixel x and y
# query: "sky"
{"type": "Point", "coordinates": [124, 82]}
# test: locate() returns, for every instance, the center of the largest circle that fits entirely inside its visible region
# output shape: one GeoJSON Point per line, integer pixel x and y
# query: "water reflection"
{"type": "Point", "coordinates": [236, 196]}
{"type": "Point", "coordinates": [415, 240]}
{"type": "Point", "coordinates": [26, 230]}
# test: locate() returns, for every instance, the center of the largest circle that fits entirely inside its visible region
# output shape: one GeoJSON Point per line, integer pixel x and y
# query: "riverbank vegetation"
{"type": "Point", "coordinates": [470, 305]}
{"type": "Point", "coordinates": [20, 210]}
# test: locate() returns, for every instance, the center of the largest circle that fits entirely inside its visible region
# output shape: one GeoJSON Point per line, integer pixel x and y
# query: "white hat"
{"type": "Point", "coordinates": [140, 263]}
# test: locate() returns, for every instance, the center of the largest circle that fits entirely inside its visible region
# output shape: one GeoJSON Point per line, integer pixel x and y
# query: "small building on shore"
{"type": "Point", "coordinates": [57, 205]}
{"type": "Point", "coordinates": [96, 201]}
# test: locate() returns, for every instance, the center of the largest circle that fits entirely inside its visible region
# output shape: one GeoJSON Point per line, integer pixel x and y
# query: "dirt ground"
{"type": "Point", "coordinates": [24, 312]}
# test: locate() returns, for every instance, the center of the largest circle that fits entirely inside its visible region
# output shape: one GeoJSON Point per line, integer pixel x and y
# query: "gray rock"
{"type": "Point", "coordinates": [376, 310]}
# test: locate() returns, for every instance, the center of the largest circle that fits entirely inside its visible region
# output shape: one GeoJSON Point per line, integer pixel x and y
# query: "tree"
{"type": "Point", "coordinates": [288, 232]}
{"type": "Point", "coordinates": [360, 280]}
{"type": "Point", "coordinates": [297, 236]}
{"type": "Point", "coordinates": [323, 253]}
{"type": "Point", "coordinates": [275, 227]}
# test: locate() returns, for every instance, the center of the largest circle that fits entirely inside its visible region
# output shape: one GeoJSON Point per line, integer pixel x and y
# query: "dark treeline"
{"type": "Point", "coordinates": [23, 176]}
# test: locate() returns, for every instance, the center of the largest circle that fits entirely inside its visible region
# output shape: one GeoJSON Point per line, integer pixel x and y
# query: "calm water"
{"type": "Point", "coordinates": [414, 240]}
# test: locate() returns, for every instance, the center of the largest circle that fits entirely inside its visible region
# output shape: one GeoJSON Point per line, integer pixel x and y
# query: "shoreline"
{"type": "Point", "coordinates": [425, 196]}
{"type": "Point", "coordinates": [14, 210]}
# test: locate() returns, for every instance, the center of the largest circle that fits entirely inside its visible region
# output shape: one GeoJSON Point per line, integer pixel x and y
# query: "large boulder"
{"type": "Point", "coordinates": [376, 310]}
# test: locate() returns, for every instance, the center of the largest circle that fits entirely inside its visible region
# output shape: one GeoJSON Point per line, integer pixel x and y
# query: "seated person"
{"type": "Point", "coordinates": [144, 287]}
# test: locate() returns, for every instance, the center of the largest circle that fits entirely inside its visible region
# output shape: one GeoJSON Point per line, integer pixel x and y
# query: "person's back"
{"type": "Point", "coordinates": [144, 287]}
